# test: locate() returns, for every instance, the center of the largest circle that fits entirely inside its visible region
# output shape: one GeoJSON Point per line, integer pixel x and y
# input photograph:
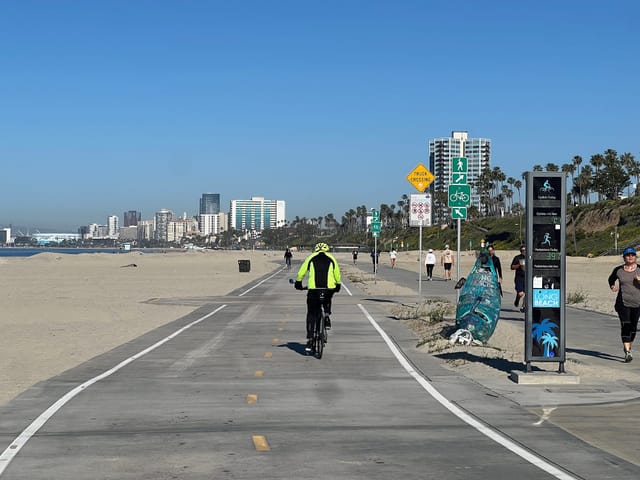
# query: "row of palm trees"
{"type": "Point", "coordinates": [606, 176]}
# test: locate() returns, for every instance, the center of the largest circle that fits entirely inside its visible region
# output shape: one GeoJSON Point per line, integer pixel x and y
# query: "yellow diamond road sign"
{"type": "Point", "coordinates": [420, 177]}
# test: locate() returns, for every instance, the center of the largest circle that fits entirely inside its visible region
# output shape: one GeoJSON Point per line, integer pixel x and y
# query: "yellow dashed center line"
{"type": "Point", "coordinates": [252, 399]}
{"type": "Point", "coordinates": [260, 442]}
{"type": "Point", "coordinates": [259, 373]}
{"type": "Point", "coordinates": [268, 354]}
{"type": "Point", "coordinates": [275, 340]}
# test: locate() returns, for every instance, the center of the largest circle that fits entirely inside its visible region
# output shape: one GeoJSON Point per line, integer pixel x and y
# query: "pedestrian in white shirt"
{"type": "Point", "coordinates": [429, 263]}
{"type": "Point", "coordinates": [392, 256]}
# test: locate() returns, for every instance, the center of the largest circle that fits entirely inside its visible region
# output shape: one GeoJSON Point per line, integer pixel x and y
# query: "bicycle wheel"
{"type": "Point", "coordinates": [325, 336]}
{"type": "Point", "coordinates": [318, 337]}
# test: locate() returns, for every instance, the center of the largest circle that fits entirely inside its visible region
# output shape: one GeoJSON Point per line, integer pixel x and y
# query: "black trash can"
{"type": "Point", "coordinates": [244, 265]}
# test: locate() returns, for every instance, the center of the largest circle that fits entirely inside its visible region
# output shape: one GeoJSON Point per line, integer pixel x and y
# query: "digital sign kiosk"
{"type": "Point", "coordinates": [545, 269]}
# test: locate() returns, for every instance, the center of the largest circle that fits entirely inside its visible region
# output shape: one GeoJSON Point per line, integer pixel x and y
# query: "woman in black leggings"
{"type": "Point", "coordinates": [627, 305]}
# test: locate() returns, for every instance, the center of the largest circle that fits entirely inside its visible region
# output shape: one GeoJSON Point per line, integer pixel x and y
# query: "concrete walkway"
{"type": "Point", "coordinates": [601, 410]}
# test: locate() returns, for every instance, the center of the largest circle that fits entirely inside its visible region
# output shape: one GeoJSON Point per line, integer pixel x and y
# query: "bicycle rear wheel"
{"type": "Point", "coordinates": [319, 337]}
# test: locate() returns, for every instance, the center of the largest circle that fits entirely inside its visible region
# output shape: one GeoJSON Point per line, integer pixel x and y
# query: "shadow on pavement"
{"type": "Point", "coordinates": [295, 346]}
{"type": "Point", "coordinates": [594, 353]}
{"type": "Point", "coordinates": [500, 364]}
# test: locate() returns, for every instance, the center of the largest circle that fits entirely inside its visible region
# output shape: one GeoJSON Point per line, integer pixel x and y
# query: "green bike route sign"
{"type": "Point", "coordinates": [459, 196]}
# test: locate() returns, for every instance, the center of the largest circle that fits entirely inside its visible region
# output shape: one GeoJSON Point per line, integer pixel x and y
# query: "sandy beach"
{"type": "Point", "coordinates": [60, 310]}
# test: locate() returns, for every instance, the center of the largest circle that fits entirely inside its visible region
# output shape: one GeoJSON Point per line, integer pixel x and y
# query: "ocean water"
{"type": "Point", "coordinates": [27, 252]}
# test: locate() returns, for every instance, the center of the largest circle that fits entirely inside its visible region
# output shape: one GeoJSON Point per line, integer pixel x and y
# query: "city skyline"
{"type": "Point", "coordinates": [117, 105]}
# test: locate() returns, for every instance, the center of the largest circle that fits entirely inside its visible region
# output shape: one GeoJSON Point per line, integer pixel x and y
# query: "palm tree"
{"type": "Point", "coordinates": [570, 169]}
{"type": "Point", "coordinates": [597, 161]}
{"type": "Point", "coordinates": [507, 194]}
{"type": "Point", "coordinates": [577, 160]}
{"type": "Point", "coordinates": [546, 326]}
{"type": "Point", "coordinates": [551, 167]}
{"type": "Point", "coordinates": [629, 162]}
{"type": "Point", "coordinates": [549, 342]}
{"type": "Point", "coordinates": [584, 182]}
{"type": "Point", "coordinates": [518, 185]}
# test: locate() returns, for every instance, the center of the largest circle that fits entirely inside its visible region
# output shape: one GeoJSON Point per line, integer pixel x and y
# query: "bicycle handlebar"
{"type": "Point", "coordinates": [306, 287]}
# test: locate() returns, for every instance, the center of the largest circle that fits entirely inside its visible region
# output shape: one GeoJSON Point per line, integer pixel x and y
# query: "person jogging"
{"type": "Point", "coordinates": [625, 281]}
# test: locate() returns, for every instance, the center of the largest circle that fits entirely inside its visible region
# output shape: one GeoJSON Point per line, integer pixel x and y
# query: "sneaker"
{"type": "Point", "coordinates": [309, 346]}
{"type": "Point", "coordinates": [627, 357]}
{"type": "Point", "coordinates": [327, 323]}
{"type": "Point", "coordinates": [523, 309]}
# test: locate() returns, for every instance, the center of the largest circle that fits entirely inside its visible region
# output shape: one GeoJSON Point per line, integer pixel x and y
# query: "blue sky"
{"type": "Point", "coordinates": [108, 106]}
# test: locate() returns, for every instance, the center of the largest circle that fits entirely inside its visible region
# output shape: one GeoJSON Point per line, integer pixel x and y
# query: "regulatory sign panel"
{"type": "Point", "coordinates": [459, 196]}
{"type": "Point", "coordinates": [420, 210]}
{"type": "Point", "coordinates": [420, 177]}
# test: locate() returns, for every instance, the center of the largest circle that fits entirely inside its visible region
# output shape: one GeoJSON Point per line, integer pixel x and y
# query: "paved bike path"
{"type": "Point", "coordinates": [201, 404]}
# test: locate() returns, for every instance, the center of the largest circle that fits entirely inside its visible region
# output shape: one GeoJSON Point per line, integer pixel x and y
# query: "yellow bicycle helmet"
{"type": "Point", "coordinates": [321, 247]}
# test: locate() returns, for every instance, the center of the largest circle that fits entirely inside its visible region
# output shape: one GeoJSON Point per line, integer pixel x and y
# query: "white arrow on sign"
{"type": "Point", "coordinates": [459, 178]}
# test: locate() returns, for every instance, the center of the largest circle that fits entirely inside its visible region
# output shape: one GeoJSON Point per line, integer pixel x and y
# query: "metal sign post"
{"type": "Point", "coordinates": [458, 199]}
{"type": "Point", "coordinates": [420, 215]}
{"type": "Point", "coordinates": [420, 208]}
{"type": "Point", "coordinates": [375, 231]}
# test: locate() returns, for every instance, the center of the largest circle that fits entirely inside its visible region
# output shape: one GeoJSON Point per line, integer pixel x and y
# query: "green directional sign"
{"type": "Point", "coordinates": [459, 196]}
{"type": "Point", "coordinates": [459, 213]}
{"type": "Point", "coordinates": [375, 228]}
{"type": "Point", "coordinates": [459, 165]}
{"type": "Point", "coordinates": [459, 178]}
{"type": "Point", "coordinates": [375, 216]}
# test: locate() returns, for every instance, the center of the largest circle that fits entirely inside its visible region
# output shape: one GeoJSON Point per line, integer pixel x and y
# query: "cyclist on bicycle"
{"type": "Point", "coordinates": [324, 274]}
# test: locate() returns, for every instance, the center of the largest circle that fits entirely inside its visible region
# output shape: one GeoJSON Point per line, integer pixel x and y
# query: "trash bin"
{"type": "Point", "coordinates": [244, 265]}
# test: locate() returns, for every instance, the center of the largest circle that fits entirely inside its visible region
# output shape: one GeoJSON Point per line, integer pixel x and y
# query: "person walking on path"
{"type": "Point", "coordinates": [375, 258]}
{"type": "Point", "coordinates": [430, 263]}
{"type": "Point", "coordinates": [354, 254]}
{"type": "Point", "coordinates": [517, 264]}
{"type": "Point", "coordinates": [496, 264]}
{"type": "Point", "coordinates": [392, 256]}
{"type": "Point", "coordinates": [627, 303]}
{"type": "Point", "coordinates": [447, 262]}
{"type": "Point", "coordinates": [287, 258]}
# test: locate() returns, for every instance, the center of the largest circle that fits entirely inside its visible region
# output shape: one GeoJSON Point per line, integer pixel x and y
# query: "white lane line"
{"type": "Point", "coordinates": [259, 283]}
{"type": "Point", "coordinates": [461, 414]}
{"type": "Point", "coordinates": [21, 440]}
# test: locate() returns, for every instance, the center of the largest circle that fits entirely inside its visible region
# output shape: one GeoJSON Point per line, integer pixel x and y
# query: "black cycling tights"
{"type": "Point", "coordinates": [313, 308]}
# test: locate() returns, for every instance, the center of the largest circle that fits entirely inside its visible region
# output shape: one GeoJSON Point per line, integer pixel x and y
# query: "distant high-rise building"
{"type": "Point", "coordinates": [131, 218]}
{"type": "Point", "coordinates": [5, 236]}
{"type": "Point", "coordinates": [441, 152]}
{"type": "Point", "coordinates": [145, 230]}
{"type": "Point", "coordinates": [112, 226]}
{"type": "Point", "coordinates": [210, 224]}
{"type": "Point", "coordinates": [210, 204]}
{"type": "Point", "coordinates": [161, 227]}
{"type": "Point", "coordinates": [256, 214]}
